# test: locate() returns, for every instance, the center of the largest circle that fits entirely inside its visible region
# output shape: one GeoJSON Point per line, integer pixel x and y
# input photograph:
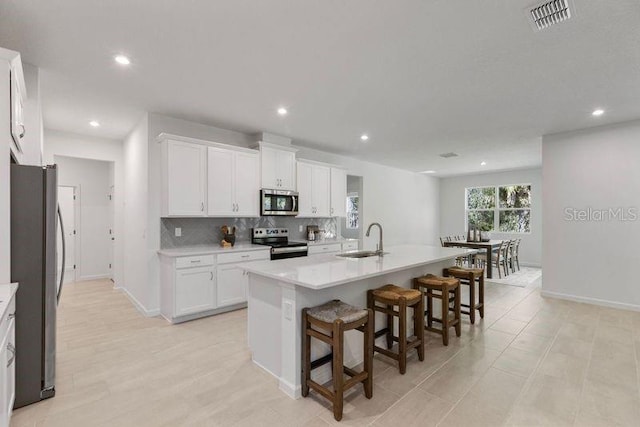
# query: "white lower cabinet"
{"type": "Point", "coordinates": [351, 245]}
{"type": "Point", "coordinates": [330, 248]}
{"type": "Point", "coordinates": [194, 290]}
{"type": "Point", "coordinates": [203, 285]}
{"type": "Point", "coordinates": [8, 366]}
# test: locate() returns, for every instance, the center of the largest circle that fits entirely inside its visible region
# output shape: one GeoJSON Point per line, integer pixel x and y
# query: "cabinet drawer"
{"type": "Point", "coordinates": [349, 246]}
{"type": "Point", "coordinates": [194, 261]}
{"type": "Point", "coordinates": [324, 249]}
{"type": "Point", "coordinates": [243, 256]}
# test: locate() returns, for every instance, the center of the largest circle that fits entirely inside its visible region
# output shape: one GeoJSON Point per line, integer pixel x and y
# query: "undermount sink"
{"type": "Point", "coordinates": [360, 254]}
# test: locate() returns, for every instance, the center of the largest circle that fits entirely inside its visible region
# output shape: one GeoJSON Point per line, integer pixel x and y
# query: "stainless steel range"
{"type": "Point", "coordinates": [278, 239]}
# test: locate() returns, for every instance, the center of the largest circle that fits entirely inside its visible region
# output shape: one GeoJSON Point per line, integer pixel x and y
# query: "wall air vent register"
{"type": "Point", "coordinates": [550, 13]}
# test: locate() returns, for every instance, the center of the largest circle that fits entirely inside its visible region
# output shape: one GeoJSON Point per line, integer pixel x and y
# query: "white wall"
{"type": "Point", "coordinates": [136, 198]}
{"type": "Point", "coordinates": [452, 208]}
{"type": "Point", "coordinates": [593, 261]}
{"type": "Point", "coordinates": [93, 242]}
{"type": "Point", "coordinates": [5, 175]}
{"type": "Point", "coordinates": [108, 150]}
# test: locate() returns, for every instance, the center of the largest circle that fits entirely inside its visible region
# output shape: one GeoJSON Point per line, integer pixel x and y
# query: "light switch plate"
{"type": "Point", "coordinates": [288, 310]}
{"type": "Point", "coordinates": [178, 232]}
{"type": "Point", "coordinates": [301, 228]}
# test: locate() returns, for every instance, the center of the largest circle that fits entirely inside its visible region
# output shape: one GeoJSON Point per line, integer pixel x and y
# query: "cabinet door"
{"type": "Point", "coordinates": [269, 167]}
{"type": "Point", "coordinates": [194, 291]}
{"type": "Point", "coordinates": [338, 192]}
{"type": "Point", "coordinates": [17, 111]}
{"type": "Point", "coordinates": [186, 179]}
{"type": "Point", "coordinates": [220, 199]}
{"type": "Point", "coordinates": [286, 169]}
{"type": "Point", "coordinates": [321, 191]}
{"type": "Point", "coordinates": [232, 285]}
{"type": "Point", "coordinates": [247, 184]}
{"type": "Point", "coordinates": [305, 189]}
{"type": "Point", "coordinates": [11, 366]}
{"type": "Point", "coordinates": [4, 358]}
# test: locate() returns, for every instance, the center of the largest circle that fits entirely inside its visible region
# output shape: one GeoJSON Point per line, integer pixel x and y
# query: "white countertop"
{"type": "Point", "coordinates": [330, 241]}
{"type": "Point", "coordinates": [211, 249]}
{"type": "Point", "coordinates": [6, 293]}
{"type": "Point", "coordinates": [324, 271]}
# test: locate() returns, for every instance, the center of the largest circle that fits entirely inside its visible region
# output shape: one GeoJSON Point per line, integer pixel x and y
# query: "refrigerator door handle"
{"type": "Point", "coordinates": [64, 250]}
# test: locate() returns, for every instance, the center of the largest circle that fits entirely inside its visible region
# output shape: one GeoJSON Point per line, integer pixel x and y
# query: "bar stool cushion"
{"type": "Point", "coordinates": [393, 293]}
{"type": "Point", "coordinates": [432, 280]}
{"type": "Point", "coordinates": [336, 309]}
{"type": "Point", "coordinates": [475, 271]}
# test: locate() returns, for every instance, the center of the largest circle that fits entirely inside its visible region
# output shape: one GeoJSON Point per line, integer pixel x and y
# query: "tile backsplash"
{"type": "Point", "coordinates": [206, 231]}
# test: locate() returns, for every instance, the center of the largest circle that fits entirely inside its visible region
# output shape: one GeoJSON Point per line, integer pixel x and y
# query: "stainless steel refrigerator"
{"type": "Point", "coordinates": [34, 216]}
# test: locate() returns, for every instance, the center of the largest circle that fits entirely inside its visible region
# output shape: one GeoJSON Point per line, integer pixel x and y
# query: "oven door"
{"type": "Point", "coordinates": [279, 202]}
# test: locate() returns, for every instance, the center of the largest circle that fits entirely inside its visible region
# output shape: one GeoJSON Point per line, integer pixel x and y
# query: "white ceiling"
{"type": "Point", "coordinates": [420, 77]}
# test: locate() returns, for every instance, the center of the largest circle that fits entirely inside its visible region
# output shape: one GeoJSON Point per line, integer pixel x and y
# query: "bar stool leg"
{"type": "Point", "coordinates": [429, 308]}
{"type": "Point", "coordinates": [389, 328]}
{"type": "Point", "coordinates": [402, 335]}
{"type": "Point", "coordinates": [306, 354]}
{"type": "Point", "coordinates": [418, 326]}
{"type": "Point", "coordinates": [338, 376]}
{"type": "Point", "coordinates": [481, 295]}
{"type": "Point", "coordinates": [368, 354]}
{"type": "Point", "coordinates": [457, 311]}
{"type": "Point", "coordinates": [472, 299]}
{"type": "Point", "coordinates": [445, 315]}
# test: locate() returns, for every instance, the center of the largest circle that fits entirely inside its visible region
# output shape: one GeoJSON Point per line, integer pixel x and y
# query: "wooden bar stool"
{"type": "Point", "coordinates": [447, 289]}
{"type": "Point", "coordinates": [394, 296]}
{"type": "Point", "coordinates": [469, 276]}
{"type": "Point", "coordinates": [336, 318]}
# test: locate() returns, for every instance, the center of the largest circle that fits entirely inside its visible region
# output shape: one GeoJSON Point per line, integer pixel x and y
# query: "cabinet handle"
{"type": "Point", "coordinates": [201, 206]}
{"type": "Point", "coordinates": [237, 207]}
{"type": "Point", "coordinates": [12, 349]}
{"type": "Point", "coordinates": [23, 131]}
{"type": "Point", "coordinates": [211, 275]}
{"type": "Point", "coordinates": [245, 256]}
{"type": "Point", "coordinates": [195, 261]}
{"type": "Point", "coordinates": [12, 316]}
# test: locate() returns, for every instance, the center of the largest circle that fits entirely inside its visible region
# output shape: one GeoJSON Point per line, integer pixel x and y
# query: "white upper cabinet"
{"type": "Point", "coordinates": [184, 179]}
{"type": "Point", "coordinates": [314, 184]}
{"type": "Point", "coordinates": [278, 166]}
{"type": "Point", "coordinates": [16, 97]}
{"type": "Point", "coordinates": [233, 183]}
{"type": "Point", "coordinates": [338, 192]}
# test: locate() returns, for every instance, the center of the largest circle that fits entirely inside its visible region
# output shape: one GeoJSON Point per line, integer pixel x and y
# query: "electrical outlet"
{"type": "Point", "coordinates": [301, 228]}
{"type": "Point", "coordinates": [288, 310]}
{"type": "Point", "coordinates": [178, 232]}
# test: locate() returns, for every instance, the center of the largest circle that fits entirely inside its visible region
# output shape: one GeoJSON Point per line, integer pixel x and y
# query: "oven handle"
{"type": "Point", "coordinates": [288, 250]}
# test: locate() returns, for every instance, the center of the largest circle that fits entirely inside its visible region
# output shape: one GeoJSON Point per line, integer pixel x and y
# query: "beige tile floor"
{"type": "Point", "coordinates": [531, 361]}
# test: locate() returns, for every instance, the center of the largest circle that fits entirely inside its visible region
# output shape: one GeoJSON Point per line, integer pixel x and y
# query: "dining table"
{"type": "Point", "coordinates": [488, 246]}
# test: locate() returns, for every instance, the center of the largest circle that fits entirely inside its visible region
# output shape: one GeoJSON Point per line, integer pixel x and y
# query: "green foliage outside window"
{"type": "Point", "coordinates": [506, 208]}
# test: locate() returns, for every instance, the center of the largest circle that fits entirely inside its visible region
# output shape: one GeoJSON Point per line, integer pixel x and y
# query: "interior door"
{"type": "Point", "coordinates": [111, 236]}
{"type": "Point", "coordinates": [67, 203]}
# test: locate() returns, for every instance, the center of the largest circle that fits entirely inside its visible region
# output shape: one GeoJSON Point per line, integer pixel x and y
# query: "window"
{"type": "Point", "coordinates": [504, 208]}
{"type": "Point", "coordinates": [353, 221]}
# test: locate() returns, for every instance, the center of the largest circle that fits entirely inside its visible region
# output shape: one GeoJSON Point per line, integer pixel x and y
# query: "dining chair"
{"type": "Point", "coordinates": [497, 260]}
{"type": "Point", "coordinates": [516, 252]}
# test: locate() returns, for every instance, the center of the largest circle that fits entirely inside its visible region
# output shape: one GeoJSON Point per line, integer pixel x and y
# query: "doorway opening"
{"type": "Point", "coordinates": [352, 225]}
{"type": "Point", "coordinates": [85, 197]}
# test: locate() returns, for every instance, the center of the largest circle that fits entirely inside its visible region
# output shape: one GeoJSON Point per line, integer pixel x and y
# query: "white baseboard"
{"type": "Point", "coordinates": [137, 304]}
{"type": "Point", "coordinates": [587, 300]}
{"type": "Point", "coordinates": [530, 264]}
{"type": "Point", "coordinates": [94, 277]}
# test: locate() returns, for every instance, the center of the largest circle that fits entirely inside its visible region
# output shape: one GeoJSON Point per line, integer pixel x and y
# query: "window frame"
{"type": "Point", "coordinates": [497, 209]}
{"type": "Point", "coordinates": [349, 196]}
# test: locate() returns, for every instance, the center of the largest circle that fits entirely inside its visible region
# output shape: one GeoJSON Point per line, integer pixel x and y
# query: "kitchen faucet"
{"type": "Point", "coordinates": [379, 248]}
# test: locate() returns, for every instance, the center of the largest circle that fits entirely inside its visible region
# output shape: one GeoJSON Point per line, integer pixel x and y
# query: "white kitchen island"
{"type": "Point", "coordinates": [279, 290]}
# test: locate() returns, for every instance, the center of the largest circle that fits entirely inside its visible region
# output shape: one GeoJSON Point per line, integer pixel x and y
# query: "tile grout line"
{"type": "Point", "coordinates": [593, 341]}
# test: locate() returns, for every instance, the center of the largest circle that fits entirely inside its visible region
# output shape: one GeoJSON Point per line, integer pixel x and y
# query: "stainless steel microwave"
{"type": "Point", "coordinates": [278, 202]}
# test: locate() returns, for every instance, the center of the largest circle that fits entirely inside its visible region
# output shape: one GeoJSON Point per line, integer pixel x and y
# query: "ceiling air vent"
{"type": "Point", "coordinates": [550, 13]}
{"type": "Point", "coordinates": [448, 155]}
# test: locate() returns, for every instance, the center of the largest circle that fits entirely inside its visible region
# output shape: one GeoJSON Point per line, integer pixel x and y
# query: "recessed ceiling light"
{"type": "Point", "coordinates": [282, 111]}
{"type": "Point", "coordinates": [94, 123]}
{"type": "Point", "coordinates": [122, 60]}
{"type": "Point", "coordinates": [364, 137]}
{"type": "Point", "coordinates": [597, 112]}
{"type": "Point", "coordinates": [483, 164]}
{"type": "Point", "coordinates": [428, 172]}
